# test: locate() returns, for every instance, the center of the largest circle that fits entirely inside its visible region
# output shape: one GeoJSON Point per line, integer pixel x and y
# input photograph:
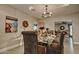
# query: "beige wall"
{"type": "Point", "coordinates": [72, 17]}
{"type": "Point", "coordinates": [6, 38]}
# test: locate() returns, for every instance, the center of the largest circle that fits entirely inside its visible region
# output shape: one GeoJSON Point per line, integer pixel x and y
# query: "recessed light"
{"type": "Point", "coordinates": [31, 8]}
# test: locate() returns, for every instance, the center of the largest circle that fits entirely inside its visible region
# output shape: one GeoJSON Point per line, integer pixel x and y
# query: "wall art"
{"type": "Point", "coordinates": [11, 24]}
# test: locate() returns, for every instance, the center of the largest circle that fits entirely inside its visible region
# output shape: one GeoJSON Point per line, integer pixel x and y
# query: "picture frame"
{"type": "Point", "coordinates": [11, 24]}
{"type": "Point", "coordinates": [62, 27]}
{"type": "Point", "coordinates": [25, 24]}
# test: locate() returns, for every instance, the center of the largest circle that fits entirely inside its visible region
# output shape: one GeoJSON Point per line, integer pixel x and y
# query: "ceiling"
{"type": "Point", "coordinates": [56, 9]}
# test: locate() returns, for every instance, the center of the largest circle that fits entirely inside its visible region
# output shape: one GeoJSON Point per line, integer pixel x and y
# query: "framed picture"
{"type": "Point", "coordinates": [11, 24]}
{"type": "Point", "coordinates": [25, 24]}
{"type": "Point", "coordinates": [62, 27]}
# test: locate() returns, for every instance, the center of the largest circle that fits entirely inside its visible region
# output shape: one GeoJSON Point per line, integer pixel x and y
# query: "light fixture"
{"type": "Point", "coordinates": [46, 13]}
{"type": "Point", "coordinates": [31, 8]}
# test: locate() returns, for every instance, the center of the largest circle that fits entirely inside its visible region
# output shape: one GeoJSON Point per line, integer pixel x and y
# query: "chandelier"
{"type": "Point", "coordinates": [46, 13]}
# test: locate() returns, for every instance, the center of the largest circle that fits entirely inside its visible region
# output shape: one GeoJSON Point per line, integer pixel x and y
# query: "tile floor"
{"type": "Point", "coordinates": [17, 50]}
{"type": "Point", "coordinates": [20, 50]}
{"type": "Point", "coordinates": [76, 49]}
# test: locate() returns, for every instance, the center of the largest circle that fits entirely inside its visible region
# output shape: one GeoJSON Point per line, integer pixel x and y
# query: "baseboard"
{"type": "Point", "coordinates": [10, 47]}
{"type": "Point", "coordinates": [76, 42]}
